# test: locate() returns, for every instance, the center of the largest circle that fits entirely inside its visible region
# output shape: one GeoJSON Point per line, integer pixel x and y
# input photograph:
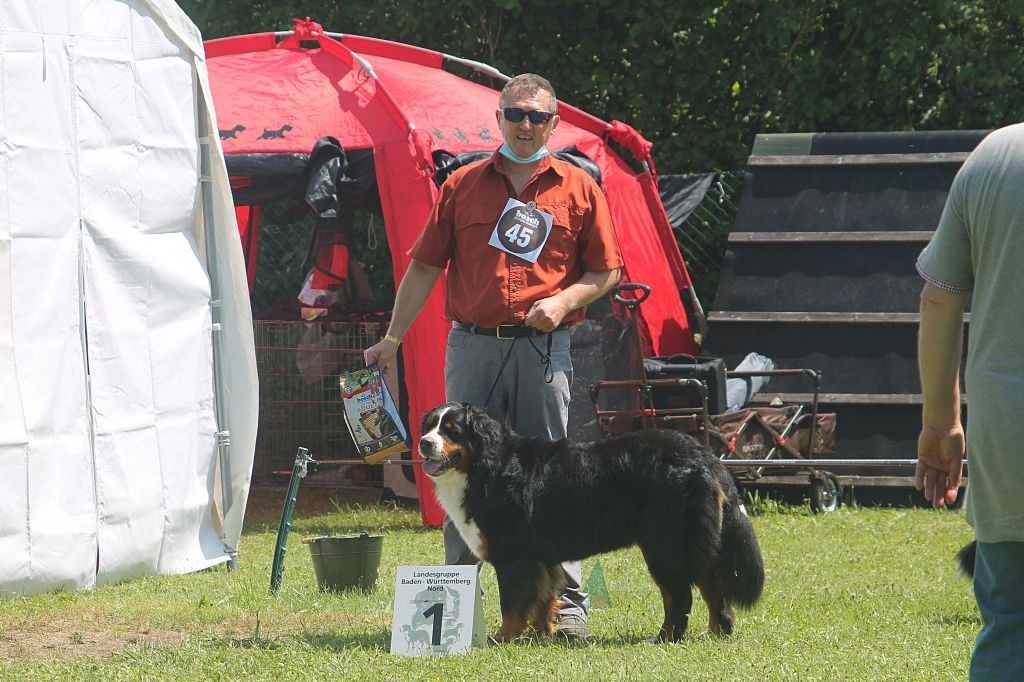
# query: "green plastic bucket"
{"type": "Point", "coordinates": [346, 561]}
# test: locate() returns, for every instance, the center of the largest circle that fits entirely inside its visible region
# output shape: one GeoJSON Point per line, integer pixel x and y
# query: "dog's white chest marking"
{"type": "Point", "coordinates": [450, 490]}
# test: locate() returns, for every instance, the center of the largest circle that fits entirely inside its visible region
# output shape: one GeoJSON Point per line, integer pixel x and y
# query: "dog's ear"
{"type": "Point", "coordinates": [488, 431]}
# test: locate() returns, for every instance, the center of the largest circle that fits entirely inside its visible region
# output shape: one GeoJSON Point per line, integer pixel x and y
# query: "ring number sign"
{"type": "Point", "coordinates": [522, 230]}
{"type": "Point", "coordinates": [437, 611]}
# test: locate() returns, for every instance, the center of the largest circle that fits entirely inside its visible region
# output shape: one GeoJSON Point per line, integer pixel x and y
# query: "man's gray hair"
{"type": "Point", "coordinates": [529, 84]}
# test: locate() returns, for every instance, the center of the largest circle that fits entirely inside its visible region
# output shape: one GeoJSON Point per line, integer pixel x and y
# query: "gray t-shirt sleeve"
{"type": "Point", "coordinates": [946, 261]}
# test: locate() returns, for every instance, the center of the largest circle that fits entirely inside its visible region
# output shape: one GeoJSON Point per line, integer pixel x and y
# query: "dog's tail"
{"type": "Point", "coordinates": [966, 557]}
{"type": "Point", "coordinates": [705, 539]}
{"type": "Point", "coordinates": [741, 557]}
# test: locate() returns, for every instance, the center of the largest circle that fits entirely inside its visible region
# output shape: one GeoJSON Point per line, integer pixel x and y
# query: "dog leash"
{"type": "Point", "coordinates": [545, 359]}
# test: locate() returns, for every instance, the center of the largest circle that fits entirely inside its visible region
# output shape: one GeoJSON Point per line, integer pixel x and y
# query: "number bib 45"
{"type": "Point", "coordinates": [522, 230]}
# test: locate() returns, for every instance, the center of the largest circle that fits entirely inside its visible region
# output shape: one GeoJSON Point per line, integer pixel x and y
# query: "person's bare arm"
{"type": "Point", "coordinates": [413, 292]}
{"type": "Point", "coordinates": [941, 444]}
{"type": "Point", "coordinates": [548, 313]}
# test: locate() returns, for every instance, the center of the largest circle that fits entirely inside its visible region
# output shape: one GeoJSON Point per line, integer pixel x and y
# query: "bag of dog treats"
{"type": "Point", "coordinates": [371, 415]}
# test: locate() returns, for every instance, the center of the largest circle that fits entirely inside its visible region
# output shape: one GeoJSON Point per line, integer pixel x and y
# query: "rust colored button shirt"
{"type": "Point", "coordinates": [487, 286]}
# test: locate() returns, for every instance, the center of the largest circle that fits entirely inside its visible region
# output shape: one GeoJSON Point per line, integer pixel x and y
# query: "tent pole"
{"type": "Point", "coordinates": [219, 402]}
{"type": "Point", "coordinates": [479, 67]}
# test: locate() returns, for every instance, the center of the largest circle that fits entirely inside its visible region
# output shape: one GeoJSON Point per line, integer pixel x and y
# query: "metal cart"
{"type": "Point", "coordinates": [772, 445]}
{"type": "Point", "coordinates": [755, 451]}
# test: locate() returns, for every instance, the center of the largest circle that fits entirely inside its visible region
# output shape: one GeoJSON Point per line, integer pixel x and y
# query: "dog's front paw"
{"type": "Point", "coordinates": [513, 626]}
{"type": "Point", "coordinates": [500, 637]}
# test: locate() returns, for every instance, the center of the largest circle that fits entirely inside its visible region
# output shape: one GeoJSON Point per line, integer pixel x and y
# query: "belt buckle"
{"type": "Point", "coordinates": [510, 327]}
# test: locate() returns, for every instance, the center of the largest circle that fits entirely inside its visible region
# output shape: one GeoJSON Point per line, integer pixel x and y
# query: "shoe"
{"type": "Point", "coordinates": [572, 627]}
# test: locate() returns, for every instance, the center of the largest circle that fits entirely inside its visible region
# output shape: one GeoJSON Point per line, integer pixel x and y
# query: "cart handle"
{"type": "Point", "coordinates": [631, 286]}
{"type": "Point", "coordinates": [815, 378]}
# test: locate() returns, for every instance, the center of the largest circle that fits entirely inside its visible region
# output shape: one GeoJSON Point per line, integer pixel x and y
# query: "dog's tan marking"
{"type": "Point", "coordinates": [481, 550]}
{"type": "Point", "coordinates": [720, 501]}
{"type": "Point", "coordinates": [665, 635]}
{"type": "Point", "coordinates": [542, 614]}
{"type": "Point", "coordinates": [720, 617]}
{"type": "Point", "coordinates": [451, 450]}
{"type": "Point", "coordinates": [549, 624]}
{"type": "Point", "coordinates": [513, 626]}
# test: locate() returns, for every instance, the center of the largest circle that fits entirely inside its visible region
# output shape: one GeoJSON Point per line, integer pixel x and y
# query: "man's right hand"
{"type": "Point", "coordinates": [940, 464]}
{"type": "Point", "coordinates": [380, 353]}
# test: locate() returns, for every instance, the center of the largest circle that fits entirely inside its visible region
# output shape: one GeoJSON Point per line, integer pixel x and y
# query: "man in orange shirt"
{"type": "Point", "coordinates": [528, 242]}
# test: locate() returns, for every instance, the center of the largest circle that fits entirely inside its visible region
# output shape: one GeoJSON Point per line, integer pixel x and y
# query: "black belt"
{"type": "Point", "coordinates": [503, 331]}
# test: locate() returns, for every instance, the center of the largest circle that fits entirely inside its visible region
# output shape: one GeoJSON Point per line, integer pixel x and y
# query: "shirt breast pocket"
{"type": "Point", "coordinates": [566, 224]}
{"type": "Point", "coordinates": [476, 216]}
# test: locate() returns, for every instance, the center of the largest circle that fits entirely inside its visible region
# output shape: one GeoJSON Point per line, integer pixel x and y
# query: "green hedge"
{"type": "Point", "coordinates": [700, 79]}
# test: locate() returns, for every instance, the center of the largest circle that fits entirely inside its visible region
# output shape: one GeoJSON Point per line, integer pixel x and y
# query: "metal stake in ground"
{"type": "Point", "coordinates": [299, 469]}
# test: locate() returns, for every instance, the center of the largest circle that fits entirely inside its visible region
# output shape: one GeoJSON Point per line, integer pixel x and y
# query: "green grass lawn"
{"type": "Point", "coordinates": [860, 594]}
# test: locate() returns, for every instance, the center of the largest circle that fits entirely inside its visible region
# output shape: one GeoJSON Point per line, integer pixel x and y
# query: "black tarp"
{"type": "Point", "coordinates": [682, 193]}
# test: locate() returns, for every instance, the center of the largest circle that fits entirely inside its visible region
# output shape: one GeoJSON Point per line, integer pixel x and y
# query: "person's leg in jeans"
{"type": "Point", "coordinates": [999, 589]}
{"type": "Point", "coordinates": [540, 409]}
{"type": "Point", "coordinates": [471, 365]}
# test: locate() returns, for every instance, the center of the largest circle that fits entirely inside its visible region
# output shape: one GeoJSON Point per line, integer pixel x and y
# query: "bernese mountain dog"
{"type": "Point", "coordinates": [527, 504]}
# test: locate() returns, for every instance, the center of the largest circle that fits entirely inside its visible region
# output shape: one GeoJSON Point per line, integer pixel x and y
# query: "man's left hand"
{"type": "Point", "coordinates": [546, 314]}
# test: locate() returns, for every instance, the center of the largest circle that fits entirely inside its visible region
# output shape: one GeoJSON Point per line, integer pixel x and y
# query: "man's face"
{"type": "Point", "coordinates": [525, 138]}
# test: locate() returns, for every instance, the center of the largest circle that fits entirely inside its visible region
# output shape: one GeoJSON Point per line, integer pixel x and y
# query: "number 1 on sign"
{"type": "Point", "coordinates": [436, 612]}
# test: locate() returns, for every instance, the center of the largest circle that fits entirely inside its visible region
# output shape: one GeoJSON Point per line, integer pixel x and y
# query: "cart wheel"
{"type": "Point", "coordinates": [826, 492]}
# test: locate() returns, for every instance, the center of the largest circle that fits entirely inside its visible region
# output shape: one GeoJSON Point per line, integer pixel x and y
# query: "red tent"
{"type": "Point", "coordinates": [285, 100]}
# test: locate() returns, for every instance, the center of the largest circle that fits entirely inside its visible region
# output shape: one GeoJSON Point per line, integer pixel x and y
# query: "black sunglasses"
{"type": "Point", "coordinates": [516, 115]}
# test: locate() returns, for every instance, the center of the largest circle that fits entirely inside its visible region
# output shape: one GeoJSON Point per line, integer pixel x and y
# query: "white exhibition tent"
{"type": "Point", "coordinates": [128, 389]}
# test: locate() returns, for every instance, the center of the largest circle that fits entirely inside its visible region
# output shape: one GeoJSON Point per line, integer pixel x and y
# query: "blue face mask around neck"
{"type": "Point", "coordinates": [515, 158]}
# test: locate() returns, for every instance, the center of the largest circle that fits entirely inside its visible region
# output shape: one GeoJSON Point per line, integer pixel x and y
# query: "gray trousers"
{"type": "Point", "coordinates": [522, 399]}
